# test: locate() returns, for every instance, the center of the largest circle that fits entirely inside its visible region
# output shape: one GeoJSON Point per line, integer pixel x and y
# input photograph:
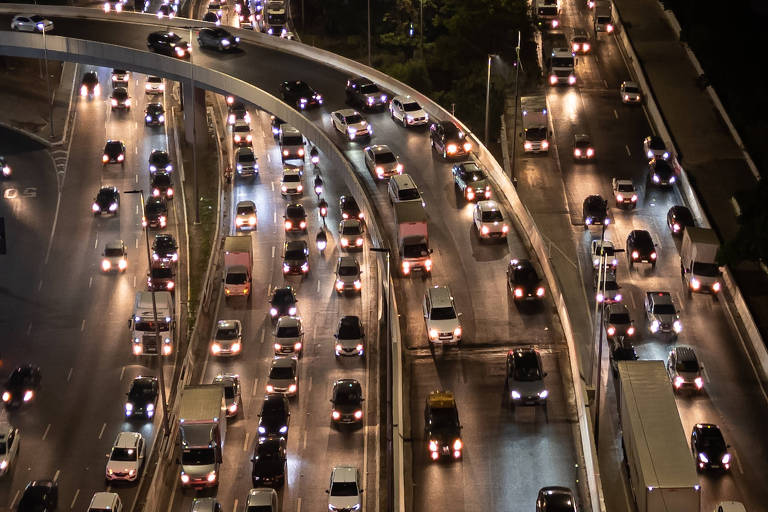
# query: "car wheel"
{"type": "Point", "coordinates": [15, 28]}
{"type": "Point", "coordinates": [221, 47]}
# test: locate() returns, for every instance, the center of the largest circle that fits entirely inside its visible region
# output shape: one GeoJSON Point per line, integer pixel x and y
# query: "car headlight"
{"type": "Point", "coordinates": [358, 414]}
{"type": "Point", "coordinates": [95, 207]}
{"type": "Point", "coordinates": [184, 478]}
{"type": "Point", "coordinates": [161, 118]}
{"type": "Point", "coordinates": [677, 326]}
{"type": "Point", "coordinates": [292, 388]}
{"type": "Point", "coordinates": [262, 430]}
{"type": "Point", "coordinates": [292, 310]}
{"type": "Point", "coordinates": [128, 408]}
{"type": "Point", "coordinates": [655, 326]}
{"type": "Point", "coordinates": [543, 394]}
{"type": "Point", "coordinates": [515, 395]}
{"type": "Point", "coordinates": [457, 332]}
{"type": "Point", "coordinates": [284, 429]}
{"type": "Point", "coordinates": [665, 155]}
{"type": "Point", "coordinates": [649, 154]}
{"type": "Point", "coordinates": [703, 457]}
{"type": "Point", "coordinates": [113, 207]}
{"type": "Point", "coordinates": [726, 458]}
{"type": "Point", "coordinates": [433, 334]}
{"type": "Point", "coordinates": [433, 445]}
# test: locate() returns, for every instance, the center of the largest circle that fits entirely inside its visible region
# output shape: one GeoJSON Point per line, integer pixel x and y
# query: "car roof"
{"type": "Point", "coordinates": [344, 474]}
{"type": "Point", "coordinates": [260, 496]}
{"type": "Point", "coordinates": [440, 294]}
{"type": "Point", "coordinates": [617, 308]}
{"type": "Point", "coordinates": [488, 205]}
{"type": "Point", "coordinates": [104, 500]}
{"type": "Point", "coordinates": [347, 261]}
{"type": "Point", "coordinates": [346, 112]}
{"type": "Point", "coordinates": [243, 204]}
{"type": "Point", "coordinates": [227, 379]}
{"type": "Point", "coordinates": [379, 148]}
{"type": "Point", "coordinates": [227, 324]}
{"type": "Point", "coordinates": [287, 129]}
{"type": "Point", "coordinates": [291, 170]}
{"type": "Point", "coordinates": [127, 439]}
{"type": "Point", "coordinates": [640, 235]}
{"type": "Point", "coordinates": [244, 150]}
{"type": "Point", "coordinates": [660, 297]}
{"type": "Point", "coordinates": [351, 223]}
{"type": "Point", "coordinates": [295, 244]}
{"type": "Point", "coordinates": [685, 353]}
{"type": "Point", "coordinates": [525, 354]}
{"type": "Point", "coordinates": [284, 362]}
{"type": "Point", "coordinates": [287, 321]}
{"type": "Point", "coordinates": [115, 244]}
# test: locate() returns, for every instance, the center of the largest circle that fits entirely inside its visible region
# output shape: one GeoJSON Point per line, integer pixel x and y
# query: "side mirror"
{"type": "Point", "coordinates": [130, 320]}
{"type": "Point", "coordinates": [327, 491]}
{"type": "Point", "coordinates": [178, 461]}
{"type": "Point", "coordinates": [460, 314]}
{"type": "Point", "coordinates": [430, 251]}
{"type": "Point", "coordinates": [545, 374]}
{"type": "Point", "coordinates": [336, 336]}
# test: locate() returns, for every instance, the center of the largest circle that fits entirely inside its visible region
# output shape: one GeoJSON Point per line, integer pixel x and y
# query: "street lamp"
{"type": "Point", "coordinates": [194, 128]}
{"type": "Point", "coordinates": [369, 32]}
{"type": "Point", "coordinates": [166, 427]}
{"type": "Point", "coordinates": [518, 65]}
{"type": "Point", "coordinates": [43, 28]}
{"type": "Point", "coordinates": [488, 96]}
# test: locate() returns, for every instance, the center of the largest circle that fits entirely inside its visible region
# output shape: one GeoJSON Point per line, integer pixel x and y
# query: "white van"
{"type": "Point", "coordinates": [291, 143]}
{"type": "Point", "coordinates": [402, 189]}
{"type": "Point", "coordinates": [105, 502]}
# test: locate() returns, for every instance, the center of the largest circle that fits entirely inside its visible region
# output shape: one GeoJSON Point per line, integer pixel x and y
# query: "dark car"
{"type": "Point", "coordinates": [300, 95]}
{"type": "Point", "coordinates": [159, 161]}
{"type": "Point", "coordinates": [269, 463]}
{"type": "Point", "coordinates": [120, 77]}
{"type": "Point", "coordinates": [236, 111]}
{"type": "Point", "coordinates": [154, 114]}
{"type": "Point", "coordinates": [555, 499]}
{"type": "Point", "coordinates": [470, 179]}
{"type": "Point", "coordinates": [212, 17]}
{"type": "Point", "coordinates": [89, 86]}
{"type": "Point", "coordinates": [114, 152]}
{"type": "Point", "coordinates": [295, 217]}
{"type": "Point", "coordinates": [276, 124]}
{"type": "Point", "coordinates": [155, 212]}
{"type": "Point", "coordinates": [523, 281]}
{"type": "Point", "coordinates": [107, 201]}
{"type": "Point", "coordinates": [161, 277]}
{"type": "Point", "coordinates": [617, 322]}
{"type": "Point", "coordinates": [162, 185]}
{"type": "Point", "coordinates": [22, 385]}
{"type": "Point", "coordinates": [366, 94]}
{"type": "Point", "coordinates": [640, 248]}
{"type": "Point", "coordinates": [164, 248]}
{"type": "Point", "coordinates": [347, 402]}
{"type": "Point", "coordinates": [274, 417]}
{"type": "Point", "coordinates": [39, 496]}
{"type": "Point", "coordinates": [679, 218]}
{"type": "Point", "coordinates": [277, 30]}
{"type": "Point", "coordinates": [661, 172]}
{"type": "Point", "coordinates": [168, 43]}
{"type": "Point", "coordinates": [349, 208]}
{"type": "Point", "coordinates": [296, 257]}
{"type": "Point", "coordinates": [142, 397]}
{"type": "Point", "coordinates": [218, 38]}
{"type": "Point", "coordinates": [595, 211]}
{"type": "Point", "coordinates": [525, 377]}
{"type": "Point", "coordinates": [448, 139]}
{"type": "Point", "coordinates": [621, 351]}
{"type": "Point", "coordinates": [709, 448]}
{"type": "Point", "coordinates": [120, 99]}
{"type": "Point", "coordinates": [282, 302]}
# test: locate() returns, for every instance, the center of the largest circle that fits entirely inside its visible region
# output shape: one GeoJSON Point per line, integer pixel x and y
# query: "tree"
{"type": "Point", "coordinates": [751, 240]}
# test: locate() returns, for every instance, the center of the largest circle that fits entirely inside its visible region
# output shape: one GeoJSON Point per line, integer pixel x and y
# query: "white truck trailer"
{"type": "Point", "coordinates": [698, 260]}
{"type": "Point", "coordinates": [535, 128]}
{"type": "Point", "coordinates": [412, 238]}
{"type": "Point", "coordinates": [238, 266]}
{"type": "Point", "coordinates": [202, 432]}
{"type": "Point", "coordinates": [150, 337]}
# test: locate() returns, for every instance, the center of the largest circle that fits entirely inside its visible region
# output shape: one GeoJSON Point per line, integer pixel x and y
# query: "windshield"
{"type": "Point", "coordinates": [348, 396]}
{"type": "Point", "coordinates": [293, 140]}
{"type": "Point", "coordinates": [162, 272]}
{"type": "Point", "coordinates": [226, 333]}
{"type": "Point", "coordinates": [602, 20]}
{"type": "Point", "coordinates": [294, 254]}
{"type": "Point", "coordinates": [411, 107]}
{"type": "Point", "coordinates": [246, 157]}
{"type": "Point", "coordinates": [283, 297]}
{"type": "Point", "coordinates": [291, 178]}
{"type": "Point", "coordinates": [348, 271]}
{"type": "Point", "coordinates": [626, 188]}
{"type": "Point", "coordinates": [474, 175]}
{"type": "Point", "coordinates": [113, 252]}
{"type": "Point", "coordinates": [276, 18]}
{"type": "Point", "coordinates": [281, 372]}
{"type": "Point", "coordinates": [620, 318]}
{"type": "Point", "coordinates": [442, 313]}
{"type": "Point", "coordinates": [687, 365]}
{"type": "Point", "coordinates": [124, 454]}
{"type": "Point", "coordinates": [444, 417]}
{"type": "Point", "coordinates": [105, 195]}
{"type": "Point", "coordinates": [536, 133]}
{"type": "Point", "coordinates": [415, 250]}
{"type": "Point", "coordinates": [36, 18]}
{"type": "Point", "coordinates": [229, 392]}
{"type": "Point", "coordinates": [385, 158]}
{"type": "Point", "coordinates": [562, 62]}
{"type": "Point", "coordinates": [527, 370]}
{"type": "Point", "coordinates": [159, 159]}
{"type": "Point", "coordinates": [294, 211]}
{"type": "Point", "coordinates": [664, 309]}
{"type": "Point", "coordinates": [353, 119]}
{"type": "Point", "coordinates": [408, 194]}
{"type": "Point", "coordinates": [631, 88]}
{"type": "Point", "coordinates": [154, 108]}
{"type": "Point", "coordinates": [244, 210]}
{"type": "Point", "coordinates": [351, 230]}
{"type": "Point", "coordinates": [369, 89]}
{"type": "Point", "coordinates": [291, 331]}
{"type": "Point", "coordinates": [149, 326]}
{"type": "Point", "coordinates": [272, 406]}
{"type": "Point", "coordinates": [198, 457]}
{"type": "Point", "coordinates": [712, 441]}
{"type": "Point", "coordinates": [114, 147]}
{"type": "Point", "coordinates": [344, 489]}
{"type": "Point", "coordinates": [611, 285]}
{"type": "Point", "coordinates": [349, 330]}
{"type": "Point", "coordinates": [241, 128]}
{"type": "Point", "coordinates": [155, 208]}
{"type": "Point", "coordinates": [492, 216]}
{"type": "Point", "coordinates": [236, 278]}
{"type": "Point", "coordinates": [525, 274]}
{"type": "Point", "coordinates": [705, 269]}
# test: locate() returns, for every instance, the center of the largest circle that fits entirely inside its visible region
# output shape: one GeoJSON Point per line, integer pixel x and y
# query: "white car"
{"type": "Point", "coordinates": [382, 162]}
{"type": "Point", "coordinates": [284, 376]}
{"type": "Point", "coordinates": [608, 293]}
{"type": "Point", "coordinates": [231, 384]}
{"type": "Point", "coordinates": [227, 338]}
{"type": "Point", "coordinates": [624, 192]}
{"type": "Point", "coordinates": [348, 275]}
{"type": "Point", "coordinates": [349, 337]}
{"type": "Point", "coordinates": [351, 234]}
{"type": "Point", "coordinates": [115, 257]}
{"type": "Point", "coordinates": [661, 313]}
{"type": "Point", "coordinates": [113, 5]}
{"type": "Point", "coordinates": [245, 215]}
{"type": "Point", "coordinates": [246, 162]}
{"type": "Point", "coordinates": [351, 124]}
{"type": "Point", "coordinates": [241, 134]}
{"type": "Point", "coordinates": [262, 499]}
{"type": "Point", "coordinates": [606, 248]}
{"type": "Point", "coordinates": [408, 111]}
{"type": "Point", "coordinates": [344, 492]}
{"type": "Point", "coordinates": [126, 458]}
{"type": "Point", "coordinates": [440, 316]}
{"type": "Point", "coordinates": [290, 184]}
{"type": "Point", "coordinates": [489, 220]}
{"type": "Point", "coordinates": [730, 506]}
{"type": "Point", "coordinates": [289, 336]}
{"type": "Point", "coordinates": [154, 85]}
{"type": "Point", "coordinates": [630, 92]}
{"type": "Point", "coordinates": [31, 23]}
{"type": "Point", "coordinates": [10, 438]}
{"type": "Point", "coordinates": [654, 147]}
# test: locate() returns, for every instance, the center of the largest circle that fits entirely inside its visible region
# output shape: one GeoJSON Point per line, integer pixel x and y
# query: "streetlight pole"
{"type": "Point", "coordinates": [369, 32]}
{"type": "Point", "coordinates": [601, 279]}
{"type": "Point", "coordinates": [488, 96]}
{"type": "Point", "coordinates": [194, 134]}
{"type": "Point", "coordinates": [421, 28]}
{"type": "Point", "coordinates": [517, 99]}
{"type": "Point", "coordinates": [47, 81]}
{"type": "Point", "coordinates": [161, 378]}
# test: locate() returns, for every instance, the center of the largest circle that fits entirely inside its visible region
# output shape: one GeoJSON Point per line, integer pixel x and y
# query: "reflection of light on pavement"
{"type": "Point", "coordinates": [570, 105]}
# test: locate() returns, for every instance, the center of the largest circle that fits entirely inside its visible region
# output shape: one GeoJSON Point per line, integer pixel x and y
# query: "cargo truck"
{"type": "Point", "coordinates": [698, 263]}
{"type": "Point", "coordinates": [149, 336]}
{"type": "Point", "coordinates": [603, 19]}
{"type": "Point", "coordinates": [662, 473]}
{"type": "Point", "coordinates": [238, 266]}
{"type": "Point", "coordinates": [413, 238]}
{"type": "Point", "coordinates": [535, 129]}
{"type": "Point", "coordinates": [202, 431]}
{"type": "Point", "coordinates": [547, 13]}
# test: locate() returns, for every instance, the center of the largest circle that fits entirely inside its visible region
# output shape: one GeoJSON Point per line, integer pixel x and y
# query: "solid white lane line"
{"type": "Point", "coordinates": [255, 386]}
{"type": "Point", "coordinates": [263, 334]}
{"type": "Point", "coordinates": [273, 185]}
{"type": "Point", "coordinates": [234, 506]}
{"type": "Point", "coordinates": [245, 441]}
{"type": "Point", "coordinates": [69, 374]}
{"type": "Point", "coordinates": [134, 280]}
{"type": "Point", "coordinates": [45, 434]}
{"type": "Point", "coordinates": [298, 505]}
{"type": "Point", "coordinates": [101, 432]}
{"type": "Point", "coordinates": [90, 281]}
{"type": "Point", "coordinates": [82, 325]}
{"type": "Point", "coordinates": [137, 178]}
{"type": "Point", "coordinates": [318, 286]}
{"type": "Point", "coordinates": [273, 252]}
{"type": "Point", "coordinates": [274, 217]}
{"type": "Point", "coordinates": [77, 493]}
{"type": "Point", "coordinates": [96, 242]}
{"type": "Point", "coordinates": [13, 501]}
{"type": "Point", "coordinates": [615, 114]}
{"type": "Point", "coordinates": [40, 285]}
{"type": "Point", "coordinates": [29, 328]}
{"type": "Point", "coordinates": [137, 238]}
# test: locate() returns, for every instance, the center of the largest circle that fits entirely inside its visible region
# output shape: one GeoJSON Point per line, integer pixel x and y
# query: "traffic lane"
{"type": "Point", "coordinates": [521, 445]}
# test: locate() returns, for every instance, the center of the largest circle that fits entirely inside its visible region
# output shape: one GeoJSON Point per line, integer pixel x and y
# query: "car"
{"type": "Point", "coordinates": [523, 281]}
{"type": "Point", "coordinates": [630, 92]}
{"type": "Point", "coordinates": [617, 322]}
{"type": "Point", "coordinates": [382, 162]}
{"type": "Point", "coordinates": [262, 500]}
{"type": "Point", "coordinates": [679, 218]}
{"type": "Point", "coordinates": [162, 185]}
{"type": "Point", "coordinates": [212, 17]}
{"type": "Point", "coordinates": [661, 313]}
{"type": "Point", "coordinates": [624, 192]}
{"type": "Point", "coordinates": [232, 399]}
{"type": "Point", "coordinates": [684, 368]}
{"type": "Point", "coordinates": [349, 336]}
{"type": "Point", "coordinates": [169, 44]}
{"type": "Point", "coordinates": [595, 211]}
{"type": "Point", "coordinates": [142, 397]}
{"type": "Point", "coordinates": [295, 257]}
{"type": "Point", "coordinates": [344, 492]}
{"type": "Point", "coordinates": [276, 123]}
{"type": "Point", "coordinates": [274, 417]}
{"type": "Point", "coordinates": [348, 275]}
{"type": "Point", "coordinates": [5, 168]}
{"type": "Point", "coordinates": [105, 501]}
{"type": "Point", "coordinates": [246, 162]}
{"type": "Point", "coordinates": [245, 215]}
{"type": "Point", "coordinates": [349, 208]}
{"type": "Point", "coordinates": [159, 160]}
{"type": "Point", "coordinates": [241, 134]}
{"type": "Point", "coordinates": [408, 111]}
{"type": "Point", "coordinates": [31, 23]}
{"type": "Point", "coordinates": [277, 30]}
{"type": "Point", "coordinates": [295, 218]}
{"type": "Point", "coordinates": [525, 377]}
{"type": "Point", "coordinates": [154, 114]}
{"type": "Point", "coordinates": [227, 338]}
{"type": "Point", "coordinates": [282, 302]}
{"type": "Point", "coordinates": [166, 11]}
{"type": "Point", "coordinates": [120, 77]}
{"type": "Point", "coordinates": [114, 153]}
{"type": "Point", "coordinates": [709, 448]}
{"type": "Point", "coordinates": [640, 248]}
{"type": "Point", "coordinates": [300, 95]}
{"type": "Point", "coordinates": [113, 5]}
{"type": "Point", "coordinates": [442, 429]}
{"type": "Point", "coordinates": [218, 38]}
{"type": "Point", "coordinates": [607, 292]}
{"type": "Point", "coordinates": [290, 183]}
{"type": "Point", "coordinates": [107, 201]}
{"type": "Point", "coordinates": [22, 386]}
{"type": "Point", "coordinates": [603, 248]}
{"type": "Point", "coordinates": [365, 94]}
{"type": "Point", "coordinates": [216, 6]}
{"type": "Point", "coordinates": [351, 124]}
{"type": "Point", "coordinates": [39, 496]}
{"type": "Point", "coordinates": [119, 99]}
{"type": "Point", "coordinates": [283, 376]}
{"type": "Point", "coordinates": [489, 221]}
{"type": "Point", "coordinates": [269, 461]}
{"type": "Point", "coordinates": [580, 41]}
{"type": "Point", "coordinates": [205, 505]}
{"type": "Point", "coordinates": [621, 350]}
{"type": "Point", "coordinates": [654, 147]}
{"type": "Point", "coordinates": [154, 85]}
{"type": "Point", "coordinates": [442, 322]}
{"type": "Point", "coordinates": [10, 438]}
{"type": "Point", "coordinates": [555, 499]}
{"type": "Point", "coordinates": [237, 112]}
{"type": "Point", "coordinates": [582, 147]}
{"type": "Point", "coordinates": [471, 181]}
{"type": "Point", "coordinates": [661, 173]}
{"type": "Point", "coordinates": [347, 402]}
{"type": "Point", "coordinates": [351, 234]}
{"type": "Point", "coordinates": [126, 458]}
{"type": "Point", "coordinates": [164, 248]}
{"type": "Point", "coordinates": [155, 212]}
{"type": "Point", "coordinates": [449, 140]}
{"type": "Point", "coordinates": [289, 336]}
{"type": "Point", "coordinates": [89, 85]}
{"type": "Point", "coordinates": [114, 257]}
{"type": "Point", "coordinates": [291, 143]}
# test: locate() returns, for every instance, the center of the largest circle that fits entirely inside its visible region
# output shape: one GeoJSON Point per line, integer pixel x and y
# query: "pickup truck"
{"type": "Point", "coordinates": [661, 313]}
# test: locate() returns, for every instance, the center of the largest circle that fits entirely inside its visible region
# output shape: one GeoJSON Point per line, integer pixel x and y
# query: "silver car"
{"type": "Point", "coordinates": [284, 376]}
{"type": "Point", "coordinates": [348, 275]}
{"type": "Point", "coordinates": [408, 111]}
{"type": "Point", "coordinates": [684, 369]}
{"type": "Point", "coordinates": [289, 336]}
{"type": "Point", "coordinates": [489, 220]}
{"type": "Point", "coordinates": [351, 234]}
{"type": "Point", "coordinates": [228, 338]}
{"type": "Point", "coordinates": [630, 92]}
{"type": "Point", "coordinates": [351, 124]}
{"type": "Point", "coordinates": [525, 378]}
{"type": "Point", "coordinates": [231, 384]}
{"type": "Point", "coordinates": [382, 162]}
{"type": "Point", "coordinates": [349, 337]}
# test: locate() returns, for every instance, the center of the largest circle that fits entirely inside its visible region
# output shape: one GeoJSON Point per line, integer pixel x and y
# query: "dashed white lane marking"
{"type": "Point", "coordinates": [101, 432]}
{"type": "Point", "coordinates": [90, 281]}
{"type": "Point", "coordinates": [69, 374]}
{"type": "Point", "coordinates": [40, 285]}
{"type": "Point", "coordinates": [82, 326]}
{"type": "Point", "coordinates": [29, 329]}
{"type": "Point", "coordinates": [56, 475]}
{"type": "Point", "coordinates": [627, 148]}
{"type": "Point", "coordinates": [255, 389]}
{"type": "Point", "coordinates": [245, 441]}
{"type": "Point", "coordinates": [13, 501]}
{"type": "Point", "coordinates": [273, 251]}
{"type": "Point", "coordinates": [72, 505]}
{"type": "Point", "coordinates": [234, 506]}
{"type": "Point", "coordinates": [615, 114]}
{"type": "Point", "coordinates": [122, 372]}
{"type": "Point", "coordinates": [298, 504]}
{"type": "Point", "coordinates": [47, 429]}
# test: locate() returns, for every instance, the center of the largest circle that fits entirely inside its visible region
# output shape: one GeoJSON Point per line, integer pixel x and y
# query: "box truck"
{"type": "Point", "coordinates": [238, 266]}
{"type": "Point", "coordinates": [149, 336]}
{"type": "Point", "coordinates": [202, 431]}
{"type": "Point", "coordinates": [412, 238]}
{"type": "Point", "coordinates": [698, 260]}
